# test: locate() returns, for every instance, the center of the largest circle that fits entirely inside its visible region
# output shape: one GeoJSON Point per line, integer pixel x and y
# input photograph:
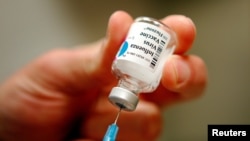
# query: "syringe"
{"type": "Point", "coordinates": [112, 130]}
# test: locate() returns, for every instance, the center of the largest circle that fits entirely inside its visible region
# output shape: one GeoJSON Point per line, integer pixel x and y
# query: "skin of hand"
{"type": "Point", "coordinates": [62, 95]}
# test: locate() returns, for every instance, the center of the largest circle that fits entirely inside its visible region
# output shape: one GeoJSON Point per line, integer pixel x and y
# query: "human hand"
{"type": "Point", "coordinates": [62, 95]}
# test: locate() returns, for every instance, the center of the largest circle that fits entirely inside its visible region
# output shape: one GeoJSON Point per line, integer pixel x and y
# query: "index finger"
{"type": "Point", "coordinates": [185, 31]}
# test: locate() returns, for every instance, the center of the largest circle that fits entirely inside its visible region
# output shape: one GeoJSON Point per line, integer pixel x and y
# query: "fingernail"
{"type": "Point", "coordinates": [182, 71]}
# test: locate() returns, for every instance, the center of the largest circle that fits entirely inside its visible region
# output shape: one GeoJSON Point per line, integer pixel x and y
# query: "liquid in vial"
{"type": "Point", "coordinates": [139, 62]}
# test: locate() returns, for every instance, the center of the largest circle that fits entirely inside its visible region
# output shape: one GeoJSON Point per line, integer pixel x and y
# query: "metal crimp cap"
{"type": "Point", "coordinates": [123, 98]}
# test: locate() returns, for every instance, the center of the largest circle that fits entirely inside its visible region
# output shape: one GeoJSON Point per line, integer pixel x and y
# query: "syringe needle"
{"type": "Point", "coordinates": [112, 130]}
{"type": "Point", "coordinates": [118, 114]}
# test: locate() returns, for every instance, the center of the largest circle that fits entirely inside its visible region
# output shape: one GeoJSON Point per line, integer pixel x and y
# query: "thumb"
{"type": "Point", "coordinates": [118, 27]}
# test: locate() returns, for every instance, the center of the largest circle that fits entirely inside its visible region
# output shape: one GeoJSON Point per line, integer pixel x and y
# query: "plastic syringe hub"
{"type": "Point", "coordinates": [111, 133]}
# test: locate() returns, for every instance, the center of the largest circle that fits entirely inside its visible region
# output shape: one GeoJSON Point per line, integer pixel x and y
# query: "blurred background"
{"type": "Point", "coordinates": [29, 28]}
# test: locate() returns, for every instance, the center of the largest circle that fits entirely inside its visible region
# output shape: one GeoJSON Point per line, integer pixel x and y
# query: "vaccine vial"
{"type": "Point", "coordinates": [139, 62]}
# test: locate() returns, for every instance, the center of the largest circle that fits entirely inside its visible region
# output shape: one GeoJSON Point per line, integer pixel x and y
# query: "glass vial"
{"type": "Point", "coordinates": [139, 62]}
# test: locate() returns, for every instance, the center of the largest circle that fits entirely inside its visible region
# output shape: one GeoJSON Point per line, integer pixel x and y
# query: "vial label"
{"type": "Point", "coordinates": [144, 45]}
